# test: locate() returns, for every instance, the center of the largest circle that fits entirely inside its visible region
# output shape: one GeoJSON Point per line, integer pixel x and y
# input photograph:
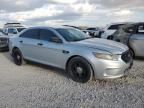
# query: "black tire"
{"type": "Point", "coordinates": [17, 57]}
{"type": "Point", "coordinates": [80, 70]}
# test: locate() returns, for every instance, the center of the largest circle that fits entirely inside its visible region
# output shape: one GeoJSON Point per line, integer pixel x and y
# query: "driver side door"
{"type": "Point", "coordinates": [52, 49]}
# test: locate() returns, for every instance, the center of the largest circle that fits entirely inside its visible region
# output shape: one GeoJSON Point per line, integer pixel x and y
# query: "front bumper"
{"type": "Point", "coordinates": [4, 43]}
{"type": "Point", "coordinates": [106, 69]}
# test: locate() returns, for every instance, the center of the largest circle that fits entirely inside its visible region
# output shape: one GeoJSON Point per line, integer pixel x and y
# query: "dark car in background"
{"type": "Point", "coordinates": [94, 32]}
{"type": "Point", "coordinates": [3, 41]}
{"type": "Point", "coordinates": [132, 35]}
{"type": "Point", "coordinates": [11, 29]}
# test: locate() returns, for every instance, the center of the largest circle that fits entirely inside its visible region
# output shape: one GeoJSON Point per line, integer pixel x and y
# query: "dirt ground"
{"type": "Point", "coordinates": [38, 86]}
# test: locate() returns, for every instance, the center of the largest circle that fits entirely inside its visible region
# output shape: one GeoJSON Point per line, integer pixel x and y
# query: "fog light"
{"type": "Point", "coordinates": [111, 72]}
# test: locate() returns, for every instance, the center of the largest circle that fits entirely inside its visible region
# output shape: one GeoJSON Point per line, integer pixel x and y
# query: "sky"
{"type": "Point", "coordinates": [71, 12]}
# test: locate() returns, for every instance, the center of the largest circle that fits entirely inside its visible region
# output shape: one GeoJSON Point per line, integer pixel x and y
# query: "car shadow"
{"type": "Point", "coordinates": [61, 72]}
{"type": "Point", "coordinates": [50, 68]}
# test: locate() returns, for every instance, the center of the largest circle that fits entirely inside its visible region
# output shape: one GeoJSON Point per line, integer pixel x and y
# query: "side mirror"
{"type": "Point", "coordinates": [55, 39]}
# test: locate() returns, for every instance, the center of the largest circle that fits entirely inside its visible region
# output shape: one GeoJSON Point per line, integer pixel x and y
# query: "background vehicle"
{"type": "Point", "coordinates": [110, 29]}
{"type": "Point", "coordinates": [94, 32]}
{"type": "Point", "coordinates": [133, 36]}
{"type": "Point", "coordinates": [11, 29]}
{"type": "Point", "coordinates": [82, 56]}
{"type": "Point", "coordinates": [72, 26]}
{"type": "Point", "coordinates": [3, 41]}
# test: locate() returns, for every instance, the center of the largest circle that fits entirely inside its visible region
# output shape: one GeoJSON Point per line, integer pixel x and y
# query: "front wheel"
{"type": "Point", "coordinates": [80, 70]}
{"type": "Point", "coordinates": [17, 57]}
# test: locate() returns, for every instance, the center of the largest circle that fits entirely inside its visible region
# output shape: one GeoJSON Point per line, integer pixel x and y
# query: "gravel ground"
{"type": "Point", "coordinates": [38, 86]}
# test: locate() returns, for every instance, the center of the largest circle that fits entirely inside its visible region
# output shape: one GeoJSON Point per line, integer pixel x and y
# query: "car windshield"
{"type": "Point", "coordinates": [115, 27]}
{"type": "Point", "coordinates": [92, 29]}
{"type": "Point", "coordinates": [72, 35]}
{"type": "Point", "coordinates": [20, 29]}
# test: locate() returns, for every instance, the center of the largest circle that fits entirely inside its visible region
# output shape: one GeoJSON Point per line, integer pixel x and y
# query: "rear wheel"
{"type": "Point", "coordinates": [17, 57]}
{"type": "Point", "coordinates": [80, 70]}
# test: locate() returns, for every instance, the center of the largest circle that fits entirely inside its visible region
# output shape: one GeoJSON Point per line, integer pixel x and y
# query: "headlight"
{"type": "Point", "coordinates": [106, 56]}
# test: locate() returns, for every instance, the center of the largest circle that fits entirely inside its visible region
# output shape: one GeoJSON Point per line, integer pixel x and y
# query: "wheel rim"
{"type": "Point", "coordinates": [79, 71]}
{"type": "Point", "coordinates": [17, 58]}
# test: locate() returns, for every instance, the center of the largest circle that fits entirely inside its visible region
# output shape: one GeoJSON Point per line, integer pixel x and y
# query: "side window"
{"type": "Point", "coordinates": [32, 33]}
{"type": "Point", "coordinates": [47, 35]}
{"type": "Point", "coordinates": [140, 29]}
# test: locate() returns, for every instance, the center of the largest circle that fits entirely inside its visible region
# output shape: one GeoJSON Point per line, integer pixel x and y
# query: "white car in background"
{"type": "Point", "coordinates": [11, 29]}
{"type": "Point", "coordinates": [110, 29]}
{"type": "Point", "coordinates": [94, 32]}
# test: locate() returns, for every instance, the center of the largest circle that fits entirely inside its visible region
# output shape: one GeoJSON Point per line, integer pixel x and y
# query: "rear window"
{"type": "Point", "coordinates": [115, 27]}
{"type": "Point", "coordinates": [31, 33]}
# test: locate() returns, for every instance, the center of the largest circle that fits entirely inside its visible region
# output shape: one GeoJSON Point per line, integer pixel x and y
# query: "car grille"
{"type": "Point", "coordinates": [126, 56]}
{"type": "Point", "coordinates": [3, 41]}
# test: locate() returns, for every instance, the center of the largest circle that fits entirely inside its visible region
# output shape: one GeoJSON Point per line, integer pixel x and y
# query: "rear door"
{"type": "Point", "coordinates": [137, 40]}
{"type": "Point", "coordinates": [30, 44]}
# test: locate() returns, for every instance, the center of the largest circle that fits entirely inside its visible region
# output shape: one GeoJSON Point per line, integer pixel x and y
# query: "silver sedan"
{"type": "Point", "coordinates": [80, 55]}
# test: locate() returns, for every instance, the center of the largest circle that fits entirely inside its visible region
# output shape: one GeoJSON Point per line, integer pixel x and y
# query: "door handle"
{"type": "Point", "coordinates": [40, 44]}
{"type": "Point", "coordinates": [65, 52]}
{"type": "Point", "coordinates": [21, 41]}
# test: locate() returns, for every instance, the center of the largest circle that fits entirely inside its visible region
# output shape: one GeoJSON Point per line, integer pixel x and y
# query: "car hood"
{"type": "Point", "coordinates": [104, 45]}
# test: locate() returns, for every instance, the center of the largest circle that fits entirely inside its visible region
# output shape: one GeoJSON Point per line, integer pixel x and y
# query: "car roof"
{"type": "Point", "coordinates": [52, 27]}
{"type": "Point", "coordinates": [132, 24]}
{"type": "Point", "coordinates": [119, 23]}
{"type": "Point", "coordinates": [7, 25]}
{"type": "Point", "coordinates": [14, 27]}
